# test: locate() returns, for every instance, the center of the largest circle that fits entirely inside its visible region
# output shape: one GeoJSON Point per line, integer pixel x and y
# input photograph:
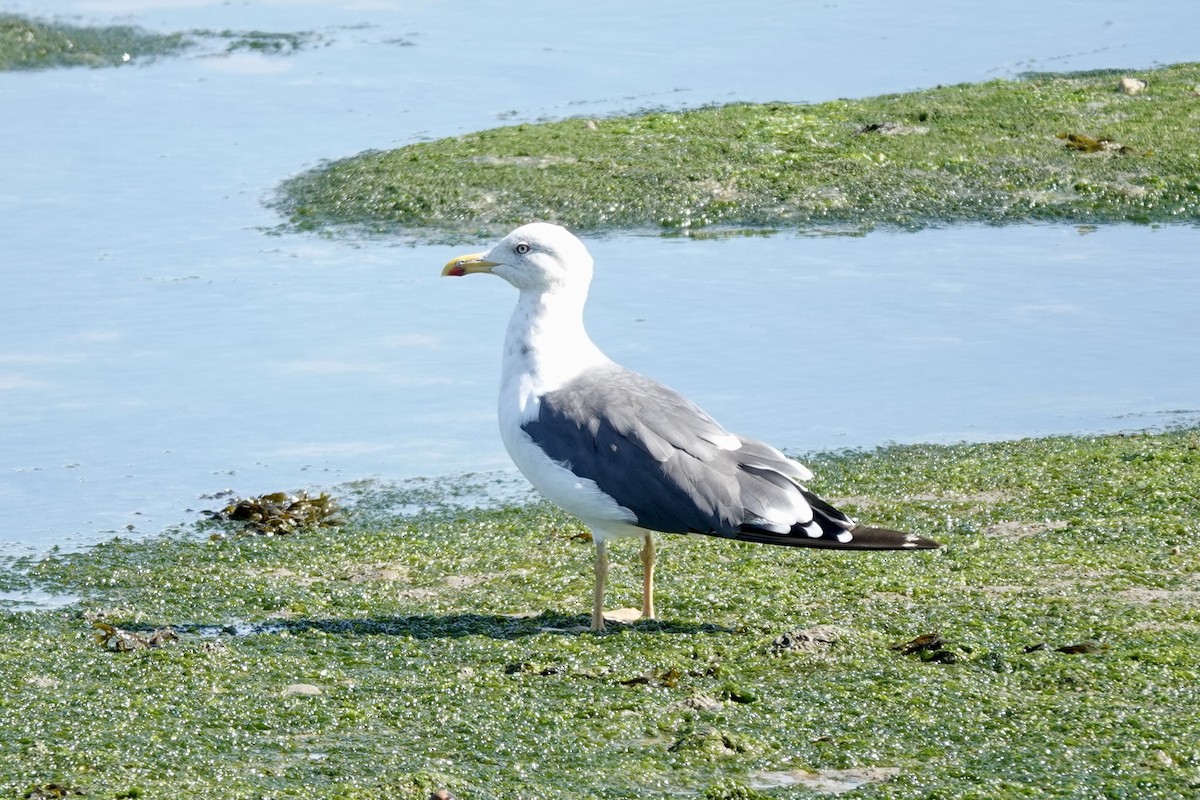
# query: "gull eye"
{"type": "Point", "coordinates": [522, 249]}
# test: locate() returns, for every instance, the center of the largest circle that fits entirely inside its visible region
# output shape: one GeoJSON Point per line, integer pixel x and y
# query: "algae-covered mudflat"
{"type": "Point", "coordinates": [28, 43]}
{"type": "Point", "coordinates": [1069, 147]}
{"type": "Point", "coordinates": [397, 655]}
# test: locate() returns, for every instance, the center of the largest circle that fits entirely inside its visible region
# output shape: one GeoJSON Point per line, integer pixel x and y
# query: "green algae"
{"type": "Point", "coordinates": [29, 44]}
{"type": "Point", "coordinates": [397, 655]}
{"type": "Point", "coordinates": [33, 44]}
{"type": "Point", "coordinates": [986, 152]}
{"type": "Point", "coordinates": [263, 42]}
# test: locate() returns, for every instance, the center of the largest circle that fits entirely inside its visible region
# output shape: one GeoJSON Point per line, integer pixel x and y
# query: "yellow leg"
{"type": "Point", "coordinates": [648, 577]}
{"type": "Point", "coordinates": [601, 578]}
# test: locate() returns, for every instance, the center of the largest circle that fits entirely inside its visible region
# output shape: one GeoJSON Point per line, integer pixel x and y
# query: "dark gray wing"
{"type": "Point", "coordinates": [660, 456]}
{"type": "Point", "coordinates": [646, 446]}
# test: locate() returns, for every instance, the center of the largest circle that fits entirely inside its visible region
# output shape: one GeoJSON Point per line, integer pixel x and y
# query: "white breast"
{"type": "Point", "coordinates": [576, 495]}
{"type": "Point", "coordinates": [542, 352]}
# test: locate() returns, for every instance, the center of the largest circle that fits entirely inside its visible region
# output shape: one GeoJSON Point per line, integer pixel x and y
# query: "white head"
{"type": "Point", "coordinates": [538, 257]}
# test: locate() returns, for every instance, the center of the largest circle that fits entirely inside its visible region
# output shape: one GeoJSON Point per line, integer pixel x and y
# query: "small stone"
{"type": "Point", "coordinates": [305, 689]}
{"type": "Point", "coordinates": [831, 781]}
{"type": "Point", "coordinates": [807, 640]}
{"type": "Point", "coordinates": [1132, 85]}
{"type": "Point", "coordinates": [624, 616]}
{"type": "Point", "coordinates": [700, 702]}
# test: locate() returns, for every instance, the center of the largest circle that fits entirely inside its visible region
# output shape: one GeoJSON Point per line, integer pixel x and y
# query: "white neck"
{"type": "Point", "coordinates": [546, 345]}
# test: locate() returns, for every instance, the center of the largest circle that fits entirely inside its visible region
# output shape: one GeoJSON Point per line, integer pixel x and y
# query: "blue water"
{"type": "Point", "coordinates": [159, 343]}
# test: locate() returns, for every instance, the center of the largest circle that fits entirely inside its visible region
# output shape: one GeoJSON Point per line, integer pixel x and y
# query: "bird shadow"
{"type": "Point", "coordinates": [457, 625]}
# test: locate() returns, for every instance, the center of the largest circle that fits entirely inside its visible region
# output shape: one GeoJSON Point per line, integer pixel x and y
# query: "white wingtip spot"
{"type": "Point", "coordinates": [845, 536]}
{"type": "Point", "coordinates": [813, 530]}
{"type": "Point", "coordinates": [727, 442]}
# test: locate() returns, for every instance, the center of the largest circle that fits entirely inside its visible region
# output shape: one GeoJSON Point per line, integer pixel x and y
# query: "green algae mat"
{"type": "Point", "coordinates": [1067, 148]}
{"type": "Point", "coordinates": [28, 44]}
{"type": "Point", "coordinates": [1050, 649]}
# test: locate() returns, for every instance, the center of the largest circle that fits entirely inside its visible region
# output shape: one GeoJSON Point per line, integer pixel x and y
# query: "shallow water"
{"type": "Point", "coordinates": [158, 344]}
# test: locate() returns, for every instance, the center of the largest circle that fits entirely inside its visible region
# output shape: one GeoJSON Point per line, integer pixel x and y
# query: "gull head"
{"type": "Point", "coordinates": [538, 257]}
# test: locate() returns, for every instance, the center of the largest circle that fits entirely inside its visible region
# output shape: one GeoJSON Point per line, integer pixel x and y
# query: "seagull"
{"type": "Point", "coordinates": [626, 455]}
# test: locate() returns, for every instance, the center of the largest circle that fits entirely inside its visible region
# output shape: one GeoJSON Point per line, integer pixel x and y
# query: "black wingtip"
{"type": "Point", "coordinates": [886, 539]}
{"type": "Point", "coordinates": [861, 537]}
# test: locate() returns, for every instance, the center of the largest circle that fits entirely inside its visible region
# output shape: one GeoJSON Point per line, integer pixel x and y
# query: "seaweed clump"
{"type": "Point", "coordinates": [280, 513]}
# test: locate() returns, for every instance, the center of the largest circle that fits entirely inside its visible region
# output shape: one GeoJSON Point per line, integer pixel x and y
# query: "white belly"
{"type": "Point", "coordinates": [576, 495]}
{"type": "Point", "coordinates": [539, 357]}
